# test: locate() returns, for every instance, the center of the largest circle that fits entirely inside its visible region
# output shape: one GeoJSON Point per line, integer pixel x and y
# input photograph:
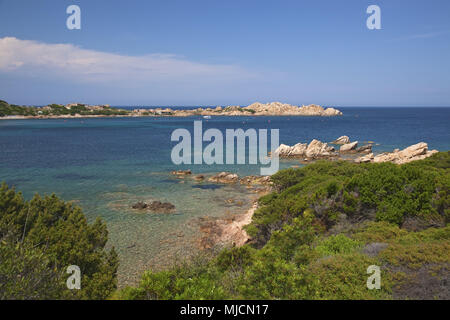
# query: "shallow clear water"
{"type": "Point", "coordinates": [107, 164]}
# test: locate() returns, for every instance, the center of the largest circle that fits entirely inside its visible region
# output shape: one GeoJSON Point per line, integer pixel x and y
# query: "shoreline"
{"type": "Point", "coordinates": [229, 231]}
{"type": "Point", "coordinates": [154, 116]}
{"type": "Point", "coordinates": [225, 232]}
{"type": "Point", "coordinates": [79, 111]}
{"type": "Point", "coordinates": [234, 233]}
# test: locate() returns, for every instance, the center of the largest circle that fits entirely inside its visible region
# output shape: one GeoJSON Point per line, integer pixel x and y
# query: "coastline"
{"type": "Point", "coordinates": [224, 232]}
{"type": "Point", "coordinates": [176, 115]}
{"type": "Point", "coordinates": [79, 111]}
{"type": "Point", "coordinates": [229, 231]}
{"type": "Point", "coordinates": [234, 233]}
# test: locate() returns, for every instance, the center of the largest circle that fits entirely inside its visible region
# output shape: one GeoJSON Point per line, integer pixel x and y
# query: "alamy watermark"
{"type": "Point", "coordinates": [188, 150]}
{"type": "Point", "coordinates": [74, 20]}
{"type": "Point", "coordinates": [74, 280]}
{"type": "Point", "coordinates": [374, 20]}
{"type": "Point", "coordinates": [374, 280]}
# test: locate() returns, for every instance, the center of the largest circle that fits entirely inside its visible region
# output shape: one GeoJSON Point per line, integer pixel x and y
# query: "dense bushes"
{"type": "Point", "coordinates": [40, 238]}
{"type": "Point", "coordinates": [385, 191]}
{"type": "Point", "coordinates": [309, 238]}
{"type": "Point", "coordinates": [56, 110]}
{"type": "Point", "coordinates": [313, 238]}
{"type": "Point", "coordinates": [7, 109]}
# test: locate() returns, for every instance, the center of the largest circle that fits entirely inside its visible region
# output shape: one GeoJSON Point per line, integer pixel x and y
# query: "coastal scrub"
{"type": "Point", "coordinates": [315, 236]}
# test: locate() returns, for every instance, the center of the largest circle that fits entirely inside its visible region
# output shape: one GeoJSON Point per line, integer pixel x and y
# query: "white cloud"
{"type": "Point", "coordinates": [72, 62]}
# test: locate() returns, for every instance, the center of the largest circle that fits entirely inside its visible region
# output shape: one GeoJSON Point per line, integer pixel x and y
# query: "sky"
{"type": "Point", "coordinates": [235, 52]}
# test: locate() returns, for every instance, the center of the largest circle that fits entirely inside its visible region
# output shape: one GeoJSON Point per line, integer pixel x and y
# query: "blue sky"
{"type": "Point", "coordinates": [226, 52]}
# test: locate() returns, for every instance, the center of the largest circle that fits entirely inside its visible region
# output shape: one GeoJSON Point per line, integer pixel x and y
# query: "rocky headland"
{"type": "Point", "coordinates": [77, 110]}
{"type": "Point", "coordinates": [415, 152]}
{"type": "Point", "coordinates": [255, 109]}
{"type": "Point", "coordinates": [226, 231]}
{"type": "Point", "coordinates": [347, 150]}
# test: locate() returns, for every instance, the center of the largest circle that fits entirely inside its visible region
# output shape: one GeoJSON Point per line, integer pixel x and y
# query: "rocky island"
{"type": "Point", "coordinates": [255, 109]}
{"type": "Point", "coordinates": [78, 110]}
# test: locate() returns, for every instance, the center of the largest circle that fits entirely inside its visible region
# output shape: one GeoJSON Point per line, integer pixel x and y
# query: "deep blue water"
{"type": "Point", "coordinates": [57, 143]}
{"type": "Point", "coordinates": [105, 164]}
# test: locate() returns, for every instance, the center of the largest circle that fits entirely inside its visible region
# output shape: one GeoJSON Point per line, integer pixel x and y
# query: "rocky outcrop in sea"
{"type": "Point", "coordinates": [255, 109]}
{"type": "Point", "coordinates": [314, 150]}
{"type": "Point", "coordinates": [320, 150]}
{"type": "Point", "coordinates": [278, 108]}
{"type": "Point", "coordinates": [417, 151]}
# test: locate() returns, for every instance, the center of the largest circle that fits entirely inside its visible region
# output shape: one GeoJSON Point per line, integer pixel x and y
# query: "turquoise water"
{"type": "Point", "coordinates": [107, 164]}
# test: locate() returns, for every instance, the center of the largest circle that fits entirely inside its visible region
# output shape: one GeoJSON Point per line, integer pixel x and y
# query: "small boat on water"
{"type": "Point", "coordinates": [206, 117]}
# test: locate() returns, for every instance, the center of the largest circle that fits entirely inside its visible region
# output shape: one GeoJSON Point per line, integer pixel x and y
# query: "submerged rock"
{"type": "Point", "coordinates": [251, 180]}
{"type": "Point", "coordinates": [140, 205]}
{"type": "Point", "coordinates": [157, 206]}
{"type": "Point", "coordinates": [207, 186]}
{"type": "Point", "coordinates": [225, 177]}
{"type": "Point", "coordinates": [181, 172]}
{"type": "Point", "coordinates": [199, 177]}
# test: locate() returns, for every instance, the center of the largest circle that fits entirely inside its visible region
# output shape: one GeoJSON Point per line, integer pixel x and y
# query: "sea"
{"type": "Point", "coordinates": [104, 165]}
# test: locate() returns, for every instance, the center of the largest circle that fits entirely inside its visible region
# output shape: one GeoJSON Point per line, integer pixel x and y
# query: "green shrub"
{"type": "Point", "coordinates": [291, 255]}
{"type": "Point", "coordinates": [336, 245]}
{"type": "Point", "coordinates": [54, 235]}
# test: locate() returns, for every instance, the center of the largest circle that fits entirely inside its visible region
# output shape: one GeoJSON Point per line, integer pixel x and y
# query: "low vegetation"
{"type": "Point", "coordinates": [312, 238]}
{"type": "Point", "coordinates": [316, 235]}
{"type": "Point", "coordinates": [40, 238]}
{"type": "Point", "coordinates": [7, 109]}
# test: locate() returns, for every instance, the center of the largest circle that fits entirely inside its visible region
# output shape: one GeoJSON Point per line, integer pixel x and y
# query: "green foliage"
{"type": "Point", "coordinates": [57, 110]}
{"type": "Point", "coordinates": [27, 273]}
{"type": "Point", "coordinates": [396, 191]}
{"type": "Point", "coordinates": [54, 235]}
{"type": "Point", "coordinates": [292, 254]}
{"type": "Point", "coordinates": [415, 249]}
{"type": "Point", "coordinates": [344, 276]}
{"type": "Point", "coordinates": [7, 109]}
{"type": "Point", "coordinates": [329, 189]}
{"type": "Point", "coordinates": [276, 279]}
{"type": "Point", "coordinates": [336, 245]}
{"type": "Point", "coordinates": [298, 233]}
{"type": "Point", "coordinates": [378, 232]}
{"type": "Point", "coordinates": [197, 281]}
